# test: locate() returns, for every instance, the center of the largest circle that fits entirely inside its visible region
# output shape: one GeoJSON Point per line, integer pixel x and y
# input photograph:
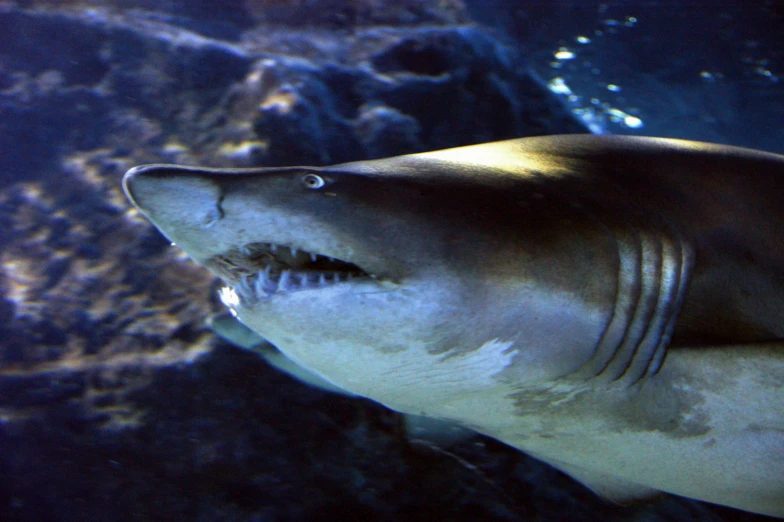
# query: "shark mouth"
{"type": "Point", "coordinates": [261, 270]}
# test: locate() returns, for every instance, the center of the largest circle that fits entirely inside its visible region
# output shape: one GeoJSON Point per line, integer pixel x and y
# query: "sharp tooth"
{"type": "Point", "coordinates": [285, 278]}
{"type": "Point", "coordinates": [260, 285]}
{"type": "Point", "coordinates": [313, 257]}
{"type": "Point", "coordinates": [273, 248]}
{"type": "Point", "coordinates": [244, 286]}
{"type": "Point", "coordinates": [322, 281]}
{"type": "Point", "coordinates": [293, 252]}
{"type": "Point", "coordinates": [263, 284]}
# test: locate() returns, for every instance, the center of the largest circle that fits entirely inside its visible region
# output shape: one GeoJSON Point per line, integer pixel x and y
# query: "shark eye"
{"type": "Point", "coordinates": [313, 181]}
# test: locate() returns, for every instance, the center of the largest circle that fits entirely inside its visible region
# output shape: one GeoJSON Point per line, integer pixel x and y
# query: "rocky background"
{"type": "Point", "coordinates": [116, 402]}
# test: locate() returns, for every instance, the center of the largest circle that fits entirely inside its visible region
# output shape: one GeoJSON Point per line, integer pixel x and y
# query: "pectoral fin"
{"type": "Point", "coordinates": [608, 487]}
{"type": "Point", "coordinates": [434, 431]}
{"type": "Point", "coordinates": [232, 330]}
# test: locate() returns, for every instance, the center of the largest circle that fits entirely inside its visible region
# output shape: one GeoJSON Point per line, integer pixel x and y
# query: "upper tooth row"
{"type": "Point", "coordinates": [294, 252]}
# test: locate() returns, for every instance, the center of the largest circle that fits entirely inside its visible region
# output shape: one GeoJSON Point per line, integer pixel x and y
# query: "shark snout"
{"type": "Point", "coordinates": [133, 180]}
{"type": "Point", "coordinates": [173, 197]}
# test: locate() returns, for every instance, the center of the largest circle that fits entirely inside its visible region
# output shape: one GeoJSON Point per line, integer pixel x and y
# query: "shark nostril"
{"type": "Point", "coordinates": [211, 217]}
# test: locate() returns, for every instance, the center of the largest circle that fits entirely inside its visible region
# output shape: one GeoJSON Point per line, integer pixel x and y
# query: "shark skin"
{"type": "Point", "coordinates": [418, 429]}
{"type": "Point", "coordinates": [613, 306]}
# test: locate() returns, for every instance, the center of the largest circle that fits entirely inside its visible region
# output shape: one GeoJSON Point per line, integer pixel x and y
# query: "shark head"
{"type": "Point", "coordinates": [406, 267]}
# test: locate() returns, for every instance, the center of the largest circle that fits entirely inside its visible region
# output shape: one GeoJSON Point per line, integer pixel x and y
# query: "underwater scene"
{"type": "Point", "coordinates": [391, 260]}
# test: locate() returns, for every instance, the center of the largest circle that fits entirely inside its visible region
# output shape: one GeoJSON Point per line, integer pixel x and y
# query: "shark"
{"type": "Point", "coordinates": [610, 305]}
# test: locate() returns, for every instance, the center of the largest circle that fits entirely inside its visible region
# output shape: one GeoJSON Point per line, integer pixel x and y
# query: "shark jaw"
{"type": "Point", "coordinates": [260, 271]}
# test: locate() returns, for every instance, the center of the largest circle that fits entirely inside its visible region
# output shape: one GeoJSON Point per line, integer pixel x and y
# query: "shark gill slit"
{"type": "Point", "coordinates": [651, 281]}
{"type": "Point", "coordinates": [634, 342]}
{"type": "Point", "coordinates": [662, 295]}
{"type": "Point", "coordinates": [682, 264]}
{"type": "Point", "coordinates": [626, 298]}
{"type": "Point", "coordinates": [655, 342]}
{"type": "Point", "coordinates": [636, 317]}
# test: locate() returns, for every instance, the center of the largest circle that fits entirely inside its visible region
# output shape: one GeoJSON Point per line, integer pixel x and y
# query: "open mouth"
{"type": "Point", "coordinates": [261, 270]}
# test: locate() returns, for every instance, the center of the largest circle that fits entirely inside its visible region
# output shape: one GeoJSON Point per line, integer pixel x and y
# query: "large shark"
{"type": "Point", "coordinates": [613, 306]}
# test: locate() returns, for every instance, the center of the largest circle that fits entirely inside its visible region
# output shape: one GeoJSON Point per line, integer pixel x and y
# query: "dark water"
{"type": "Point", "coordinates": [118, 403]}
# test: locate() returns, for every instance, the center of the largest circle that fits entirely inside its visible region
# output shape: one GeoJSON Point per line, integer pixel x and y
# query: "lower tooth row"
{"type": "Point", "coordinates": [266, 283]}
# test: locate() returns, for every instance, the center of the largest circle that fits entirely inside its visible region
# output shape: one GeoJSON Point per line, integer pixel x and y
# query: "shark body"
{"type": "Point", "coordinates": [613, 306]}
